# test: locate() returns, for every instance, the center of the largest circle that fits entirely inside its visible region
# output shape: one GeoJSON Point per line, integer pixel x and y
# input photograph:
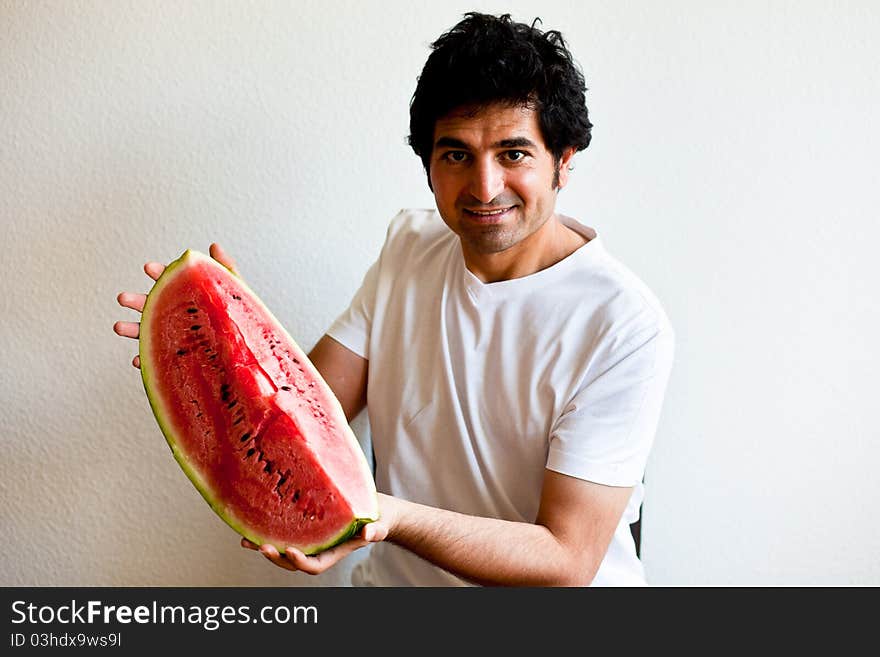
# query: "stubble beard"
{"type": "Point", "coordinates": [487, 240]}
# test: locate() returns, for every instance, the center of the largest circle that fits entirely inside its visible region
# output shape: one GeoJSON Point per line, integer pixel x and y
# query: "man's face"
{"type": "Point", "coordinates": [493, 178]}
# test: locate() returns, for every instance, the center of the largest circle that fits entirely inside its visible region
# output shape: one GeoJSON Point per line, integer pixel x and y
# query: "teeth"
{"type": "Point", "coordinates": [488, 214]}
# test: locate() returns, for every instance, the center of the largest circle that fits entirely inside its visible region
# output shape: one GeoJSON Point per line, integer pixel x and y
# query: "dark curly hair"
{"type": "Point", "coordinates": [486, 59]}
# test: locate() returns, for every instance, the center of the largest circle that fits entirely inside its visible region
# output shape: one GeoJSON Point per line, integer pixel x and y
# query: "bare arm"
{"type": "Point", "coordinates": [564, 547]}
{"type": "Point", "coordinates": [344, 371]}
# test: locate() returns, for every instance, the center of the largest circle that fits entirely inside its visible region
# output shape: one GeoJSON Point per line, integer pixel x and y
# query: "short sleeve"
{"type": "Point", "coordinates": [606, 431]}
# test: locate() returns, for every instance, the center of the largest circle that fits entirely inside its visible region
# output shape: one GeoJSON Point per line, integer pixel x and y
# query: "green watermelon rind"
{"type": "Point", "coordinates": [192, 474]}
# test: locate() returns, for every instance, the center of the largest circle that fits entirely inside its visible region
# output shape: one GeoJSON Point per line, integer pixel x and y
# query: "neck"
{"type": "Point", "coordinates": [551, 243]}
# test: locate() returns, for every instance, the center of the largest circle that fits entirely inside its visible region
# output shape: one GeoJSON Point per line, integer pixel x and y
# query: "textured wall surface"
{"type": "Point", "coordinates": [733, 167]}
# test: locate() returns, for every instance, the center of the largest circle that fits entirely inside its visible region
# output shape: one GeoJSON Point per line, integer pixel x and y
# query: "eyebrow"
{"type": "Point", "coordinates": [514, 142]}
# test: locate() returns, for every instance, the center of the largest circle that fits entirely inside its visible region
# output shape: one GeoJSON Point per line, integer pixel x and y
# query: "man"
{"type": "Point", "coordinates": [515, 370]}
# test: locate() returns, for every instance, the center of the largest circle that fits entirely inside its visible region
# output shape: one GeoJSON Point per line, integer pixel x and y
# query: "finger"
{"type": "Point", "coordinates": [222, 257]}
{"type": "Point", "coordinates": [136, 361]}
{"type": "Point", "coordinates": [301, 562]}
{"type": "Point", "coordinates": [132, 300]}
{"type": "Point", "coordinates": [154, 270]}
{"type": "Point", "coordinates": [272, 555]}
{"type": "Point", "coordinates": [316, 565]}
{"type": "Point", "coordinates": [250, 546]}
{"type": "Point", "coordinates": [127, 329]}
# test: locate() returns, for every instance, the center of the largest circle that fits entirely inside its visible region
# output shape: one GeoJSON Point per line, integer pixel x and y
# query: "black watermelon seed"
{"type": "Point", "coordinates": [240, 418]}
{"type": "Point", "coordinates": [251, 451]}
{"type": "Point", "coordinates": [195, 327]}
{"type": "Point", "coordinates": [285, 387]}
{"type": "Point", "coordinates": [181, 352]}
{"type": "Point", "coordinates": [236, 297]}
{"type": "Point", "coordinates": [192, 310]}
{"type": "Point", "coordinates": [296, 495]}
{"type": "Point", "coordinates": [232, 403]}
{"type": "Point", "coordinates": [245, 437]}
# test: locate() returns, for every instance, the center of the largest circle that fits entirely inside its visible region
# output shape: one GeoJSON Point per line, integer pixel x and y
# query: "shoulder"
{"type": "Point", "coordinates": [619, 304]}
{"type": "Point", "coordinates": [628, 297]}
{"type": "Point", "coordinates": [416, 225]}
{"type": "Point", "coordinates": [416, 234]}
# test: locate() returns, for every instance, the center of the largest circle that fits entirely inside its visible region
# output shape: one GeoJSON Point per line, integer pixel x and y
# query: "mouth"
{"type": "Point", "coordinates": [488, 215]}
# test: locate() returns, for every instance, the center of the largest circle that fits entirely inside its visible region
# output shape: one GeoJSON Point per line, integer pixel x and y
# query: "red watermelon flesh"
{"type": "Point", "coordinates": [246, 414]}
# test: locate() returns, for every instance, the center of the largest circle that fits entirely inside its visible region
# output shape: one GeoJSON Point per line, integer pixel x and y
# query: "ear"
{"type": "Point", "coordinates": [564, 166]}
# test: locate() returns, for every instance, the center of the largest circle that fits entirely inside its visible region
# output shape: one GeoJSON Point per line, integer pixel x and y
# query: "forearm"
{"type": "Point", "coordinates": [487, 551]}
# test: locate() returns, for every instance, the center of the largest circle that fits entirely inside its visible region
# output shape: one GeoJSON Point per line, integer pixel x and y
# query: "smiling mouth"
{"type": "Point", "coordinates": [488, 215]}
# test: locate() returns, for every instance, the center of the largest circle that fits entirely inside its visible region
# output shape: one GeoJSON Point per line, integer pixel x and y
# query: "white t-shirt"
{"type": "Point", "coordinates": [474, 389]}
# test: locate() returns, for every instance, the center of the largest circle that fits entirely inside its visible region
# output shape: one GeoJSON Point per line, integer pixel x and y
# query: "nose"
{"type": "Point", "coordinates": [487, 181]}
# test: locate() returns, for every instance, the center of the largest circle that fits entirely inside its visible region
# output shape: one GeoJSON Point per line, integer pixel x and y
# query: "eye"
{"type": "Point", "coordinates": [515, 156]}
{"type": "Point", "coordinates": [455, 157]}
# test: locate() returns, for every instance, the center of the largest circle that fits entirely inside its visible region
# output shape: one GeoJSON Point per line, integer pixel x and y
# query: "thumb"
{"type": "Point", "coordinates": [374, 532]}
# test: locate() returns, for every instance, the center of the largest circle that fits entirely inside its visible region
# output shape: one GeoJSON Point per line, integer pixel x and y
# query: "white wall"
{"type": "Point", "coordinates": [734, 167]}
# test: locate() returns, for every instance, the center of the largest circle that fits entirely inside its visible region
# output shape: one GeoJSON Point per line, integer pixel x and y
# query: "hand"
{"type": "Point", "coordinates": [136, 301]}
{"type": "Point", "coordinates": [294, 560]}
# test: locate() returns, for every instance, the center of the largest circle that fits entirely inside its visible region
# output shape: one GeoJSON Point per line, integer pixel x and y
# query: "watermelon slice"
{"type": "Point", "coordinates": [247, 416]}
